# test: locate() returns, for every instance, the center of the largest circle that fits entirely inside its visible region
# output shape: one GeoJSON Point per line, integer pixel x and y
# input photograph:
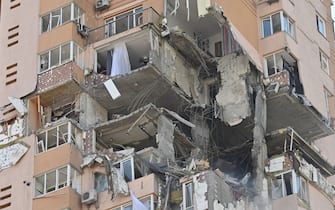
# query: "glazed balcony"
{"type": "Point", "coordinates": [59, 83]}
{"type": "Point", "coordinates": [66, 198]}
{"type": "Point", "coordinates": [287, 106]}
{"type": "Point", "coordinates": [144, 188]}
{"type": "Point", "coordinates": [58, 145]}
{"type": "Point", "coordinates": [123, 24]}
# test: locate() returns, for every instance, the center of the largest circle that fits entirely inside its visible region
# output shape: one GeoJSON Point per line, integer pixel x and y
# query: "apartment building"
{"type": "Point", "coordinates": [167, 104]}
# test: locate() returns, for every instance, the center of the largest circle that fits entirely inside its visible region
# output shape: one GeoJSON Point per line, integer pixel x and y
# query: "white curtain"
{"type": "Point", "coordinates": [120, 60]}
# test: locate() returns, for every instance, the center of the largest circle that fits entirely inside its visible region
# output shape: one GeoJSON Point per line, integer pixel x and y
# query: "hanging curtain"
{"type": "Point", "coordinates": [120, 60]}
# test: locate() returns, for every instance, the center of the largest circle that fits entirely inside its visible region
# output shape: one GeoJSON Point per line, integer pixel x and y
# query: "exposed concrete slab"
{"type": "Point", "coordinates": [233, 96]}
{"type": "Point", "coordinates": [164, 137]}
{"type": "Point", "coordinates": [285, 109]}
{"type": "Point", "coordinates": [138, 88]}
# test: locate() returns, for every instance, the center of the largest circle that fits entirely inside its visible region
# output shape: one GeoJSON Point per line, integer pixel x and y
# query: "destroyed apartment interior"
{"type": "Point", "coordinates": [167, 105]}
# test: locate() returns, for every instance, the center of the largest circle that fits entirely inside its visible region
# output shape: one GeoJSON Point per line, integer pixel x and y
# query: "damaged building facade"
{"type": "Point", "coordinates": [167, 104]}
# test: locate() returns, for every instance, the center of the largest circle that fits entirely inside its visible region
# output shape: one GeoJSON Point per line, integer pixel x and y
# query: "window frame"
{"type": "Point", "coordinates": [322, 30]}
{"type": "Point", "coordinates": [70, 129]}
{"type": "Point", "coordinates": [296, 185]}
{"type": "Point", "coordinates": [78, 58]}
{"type": "Point", "coordinates": [111, 23]}
{"type": "Point", "coordinates": [73, 7]}
{"type": "Point", "coordinates": [324, 61]}
{"type": "Point", "coordinates": [152, 204]}
{"type": "Point", "coordinates": [289, 28]}
{"type": "Point", "coordinates": [56, 185]}
{"type": "Point", "coordinates": [185, 186]}
{"type": "Point", "coordinates": [121, 163]}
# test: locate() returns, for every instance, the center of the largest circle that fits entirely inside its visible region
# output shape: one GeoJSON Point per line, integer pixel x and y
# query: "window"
{"type": "Point", "coordinates": [288, 25]}
{"type": "Point", "coordinates": [321, 25]}
{"type": "Point", "coordinates": [324, 62]}
{"type": "Point", "coordinates": [55, 137]}
{"type": "Point", "coordinates": [289, 183]}
{"type": "Point", "coordinates": [60, 55]}
{"type": "Point", "coordinates": [327, 96]}
{"type": "Point", "coordinates": [218, 49]}
{"type": "Point", "coordinates": [126, 168]}
{"type": "Point", "coordinates": [276, 23]}
{"type": "Point", "coordinates": [55, 180]}
{"type": "Point", "coordinates": [275, 62]}
{"type": "Point", "coordinates": [124, 22]}
{"type": "Point", "coordinates": [188, 196]}
{"type": "Point", "coordinates": [100, 182]}
{"type": "Point", "coordinates": [61, 16]}
{"type": "Point", "coordinates": [148, 202]}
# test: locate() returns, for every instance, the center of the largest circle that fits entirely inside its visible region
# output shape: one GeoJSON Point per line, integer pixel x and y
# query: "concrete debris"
{"type": "Point", "coordinates": [11, 132]}
{"type": "Point", "coordinates": [233, 96]}
{"type": "Point", "coordinates": [119, 184]}
{"type": "Point", "coordinates": [164, 137]}
{"type": "Point", "coordinates": [10, 155]}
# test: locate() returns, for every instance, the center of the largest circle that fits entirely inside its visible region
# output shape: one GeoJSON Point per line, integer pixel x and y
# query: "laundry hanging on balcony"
{"type": "Point", "coordinates": [120, 60]}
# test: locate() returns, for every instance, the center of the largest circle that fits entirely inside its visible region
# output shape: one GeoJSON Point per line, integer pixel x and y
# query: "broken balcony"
{"type": "Point", "coordinates": [287, 105]}
{"type": "Point", "coordinates": [59, 144]}
{"type": "Point", "coordinates": [60, 85]}
{"type": "Point", "coordinates": [129, 65]}
{"type": "Point", "coordinates": [147, 194]}
{"type": "Point", "coordinates": [144, 128]}
{"type": "Point", "coordinates": [292, 156]}
{"type": "Point", "coordinates": [126, 23]}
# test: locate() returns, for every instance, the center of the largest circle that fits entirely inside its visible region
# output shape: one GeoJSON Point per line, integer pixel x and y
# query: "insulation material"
{"type": "Point", "coordinates": [276, 164]}
{"type": "Point", "coordinates": [10, 155]}
{"type": "Point", "coordinates": [233, 97]}
{"type": "Point", "coordinates": [200, 192]}
{"type": "Point", "coordinates": [120, 62]}
{"type": "Point", "coordinates": [119, 184]}
{"type": "Point", "coordinates": [164, 137]}
{"type": "Point", "coordinates": [202, 7]}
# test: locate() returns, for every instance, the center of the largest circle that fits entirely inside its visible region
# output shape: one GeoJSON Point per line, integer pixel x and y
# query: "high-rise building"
{"type": "Point", "coordinates": [167, 104]}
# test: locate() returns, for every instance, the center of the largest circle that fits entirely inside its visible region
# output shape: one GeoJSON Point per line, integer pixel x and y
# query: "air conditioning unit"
{"type": "Point", "coordinates": [89, 197]}
{"type": "Point", "coordinates": [102, 4]}
{"type": "Point", "coordinates": [82, 29]}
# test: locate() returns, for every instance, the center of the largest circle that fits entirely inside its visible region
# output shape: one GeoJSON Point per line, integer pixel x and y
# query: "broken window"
{"type": "Point", "coordinates": [45, 23]}
{"type": "Point", "coordinates": [327, 95]}
{"type": "Point", "coordinates": [100, 182]}
{"type": "Point", "coordinates": [321, 25]}
{"type": "Point", "coordinates": [289, 183]}
{"type": "Point", "coordinates": [55, 137]}
{"type": "Point", "coordinates": [61, 16]}
{"type": "Point", "coordinates": [75, 180]}
{"type": "Point", "coordinates": [188, 196]}
{"type": "Point", "coordinates": [55, 18]}
{"type": "Point", "coordinates": [148, 203]}
{"type": "Point", "coordinates": [302, 186]}
{"type": "Point", "coordinates": [275, 62]}
{"type": "Point", "coordinates": [124, 22]}
{"type": "Point", "coordinates": [276, 23]}
{"type": "Point", "coordinates": [61, 55]}
{"type": "Point", "coordinates": [324, 62]}
{"type": "Point", "coordinates": [126, 168]}
{"type": "Point", "coordinates": [55, 180]}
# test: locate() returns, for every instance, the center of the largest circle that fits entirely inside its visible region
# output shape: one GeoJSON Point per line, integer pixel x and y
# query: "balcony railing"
{"type": "Point", "coordinates": [124, 23]}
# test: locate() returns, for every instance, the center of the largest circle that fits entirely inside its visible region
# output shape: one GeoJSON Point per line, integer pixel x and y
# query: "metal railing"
{"type": "Point", "coordinates": [125, 22]}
